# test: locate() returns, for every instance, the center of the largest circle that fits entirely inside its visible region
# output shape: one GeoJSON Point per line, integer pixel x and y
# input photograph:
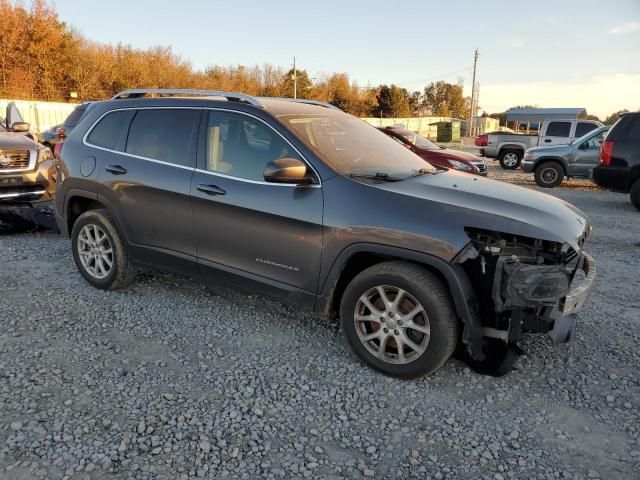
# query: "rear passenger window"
{"type": "Point", "coordinates": [631, 131]}
{"type": "Point", "coordinates": [108, 130]}
{"type": "Point", "coordinates": [584, 128]}
{"type": "Point", "coordinates": [559, 129]}
{"type": "Point", "coordinates": [163, 134]}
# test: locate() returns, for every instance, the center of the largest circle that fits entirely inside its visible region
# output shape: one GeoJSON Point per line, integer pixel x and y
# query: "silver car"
{"type": "Point", "coordinates": [552, 164]}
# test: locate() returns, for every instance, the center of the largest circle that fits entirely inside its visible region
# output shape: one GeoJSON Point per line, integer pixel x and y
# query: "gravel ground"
{"type": "Point", "coordinates": [172, 379]}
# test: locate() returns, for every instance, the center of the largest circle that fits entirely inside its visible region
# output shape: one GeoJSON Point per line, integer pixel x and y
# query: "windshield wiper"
{"type": "Point", "coordinates": [385, 177]}
{"type": "Point", "coordinates": [424, 171]}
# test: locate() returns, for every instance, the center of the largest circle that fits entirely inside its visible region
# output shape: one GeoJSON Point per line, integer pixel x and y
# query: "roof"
{"type": "Point", "coordinates": [530, 114]}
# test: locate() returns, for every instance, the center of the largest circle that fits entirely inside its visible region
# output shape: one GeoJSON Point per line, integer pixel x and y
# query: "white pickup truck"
{"type": "Point", "coordinates": [509, 148]}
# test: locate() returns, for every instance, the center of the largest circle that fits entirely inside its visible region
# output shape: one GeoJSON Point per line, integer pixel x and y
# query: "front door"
{"type": "Point", "coordinates": [586, 156]}
{"type": "Point", "coordinates": [265, 232]}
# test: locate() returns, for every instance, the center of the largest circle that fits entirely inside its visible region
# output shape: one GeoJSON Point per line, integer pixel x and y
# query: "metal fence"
{"type": "Point", "coordinates": [41, 115]}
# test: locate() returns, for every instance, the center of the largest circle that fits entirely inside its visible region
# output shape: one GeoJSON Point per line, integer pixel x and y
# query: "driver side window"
{"type": "Point", "coordinates": [241, 146]}
{"type": "Point", "coordinates": [595, 142]}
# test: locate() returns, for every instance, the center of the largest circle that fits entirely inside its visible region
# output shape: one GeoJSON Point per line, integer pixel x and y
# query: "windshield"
{"type": "Point", "coordinates": [416, 139]}
{"type": "Point", "coordinates": [352, 147]}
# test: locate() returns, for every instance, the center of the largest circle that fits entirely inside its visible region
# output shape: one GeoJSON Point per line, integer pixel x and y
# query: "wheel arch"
{"type": "Point", "coordinates": [79, 201]}
{"type": "Point", "coordinates": [356, 258]}
{"type": "Point", "coordinates": [512, 146]}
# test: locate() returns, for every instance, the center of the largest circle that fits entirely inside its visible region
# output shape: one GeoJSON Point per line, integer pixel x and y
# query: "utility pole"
{"type": "Point", "coordinates": [473, 97]}
{"type": "Point", "coordinates": [295, 79]}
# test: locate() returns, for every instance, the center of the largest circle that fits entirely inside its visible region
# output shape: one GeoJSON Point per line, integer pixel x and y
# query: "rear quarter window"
{"type": "Point", "coordinates": [109, 129]}
{"type": "Point", "coordinates": [630, 131]}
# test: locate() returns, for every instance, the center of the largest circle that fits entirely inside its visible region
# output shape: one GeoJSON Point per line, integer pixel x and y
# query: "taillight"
{"type": "Point", "coordinates": [61, 134]}
{"type": "Point", "coordinates": [482, 140]}
{"type": "Point", "coordinates": [605, 152]}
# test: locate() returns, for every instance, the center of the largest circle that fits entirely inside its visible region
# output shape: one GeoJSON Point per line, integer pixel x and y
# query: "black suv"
{"type": "Point", "coordinates": [619, 167]}
{"type": "Point", "coordinates": [312, 205]}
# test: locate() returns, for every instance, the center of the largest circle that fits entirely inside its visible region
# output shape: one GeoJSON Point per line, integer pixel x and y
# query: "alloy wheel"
{"type": "Point", "coordinates": [95, 251]}
{"type": "Point", "coordinates": [392, 324]}
{"type": "Point", "coordinates": [549, 175]}
{"type": "Point", "coordinates": [510, 159]}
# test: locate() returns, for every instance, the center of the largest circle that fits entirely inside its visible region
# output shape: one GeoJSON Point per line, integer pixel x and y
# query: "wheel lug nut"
{"type": "Point", "coordinates": [385, 330]}
{"type": "Point", "coordinates": [382, 319]}
{"type": "Point", "coordinates": [399, 322]}
{"type": "Point", "coordinates": [396, 332]}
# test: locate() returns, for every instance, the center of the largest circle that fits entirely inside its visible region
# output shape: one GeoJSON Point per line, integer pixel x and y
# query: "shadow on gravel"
{"type": "Point", "coordinates": [26, 219]}
{"type": "Point", "coordinates": [499, 360]}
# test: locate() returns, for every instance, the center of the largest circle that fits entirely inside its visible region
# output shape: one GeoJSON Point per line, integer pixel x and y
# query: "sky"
{"type": "Point", "coordinates": [567, 53]}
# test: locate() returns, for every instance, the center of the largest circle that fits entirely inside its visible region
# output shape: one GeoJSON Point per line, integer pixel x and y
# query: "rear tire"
{"type": "Point", "coordinates": [510, 159]}
{"type": "Point", "coordinates": [549, 175]}
{"type": "Point", "coordinates": [99, 252]}
{"type": "Point", "coordinates": [414, 338]}
{"type": "Point", "coordinates": [635, 194]}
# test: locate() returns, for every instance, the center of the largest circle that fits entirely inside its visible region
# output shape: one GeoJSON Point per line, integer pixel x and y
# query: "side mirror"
{"type": "Point", "coordinates": [286, 170]}
{"type": "Point", "coordinates": [20, 127]}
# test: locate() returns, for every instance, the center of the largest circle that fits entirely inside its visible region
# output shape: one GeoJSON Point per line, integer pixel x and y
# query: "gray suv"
{"type": "Point", "coordinates": [298, 200]}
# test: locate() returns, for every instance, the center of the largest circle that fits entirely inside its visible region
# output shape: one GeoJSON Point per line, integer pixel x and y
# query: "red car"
{"type": "Point", "coordinates": [436, 155]}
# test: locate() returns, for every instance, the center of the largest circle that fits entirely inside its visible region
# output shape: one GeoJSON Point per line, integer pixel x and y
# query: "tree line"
{"type": "Point", "coordinates": [42, 58]}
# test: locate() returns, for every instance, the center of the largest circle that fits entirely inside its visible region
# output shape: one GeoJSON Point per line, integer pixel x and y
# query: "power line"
{"type": "Point", "coordinates": [434, 78]}
{"type": "Point", "coordinates": [422, 81]}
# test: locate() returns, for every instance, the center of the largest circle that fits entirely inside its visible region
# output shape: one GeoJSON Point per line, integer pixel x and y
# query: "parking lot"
{"type": "Point", "coordinates": [174, 379]}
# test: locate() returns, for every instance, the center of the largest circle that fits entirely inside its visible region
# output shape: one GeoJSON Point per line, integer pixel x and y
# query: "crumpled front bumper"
{"type": "Point", "coordinates": [564, 315]}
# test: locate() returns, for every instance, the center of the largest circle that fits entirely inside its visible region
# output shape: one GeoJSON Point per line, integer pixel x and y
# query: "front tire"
{"type": "Point", "coordinates": [398, 319]}
{"type": "Point", "coordinates": [549, 175]}
{"type": "Point", "coordinates": [635, 194]}
{"type": "Point", "coordinates": [99, 252]}
{"type": "Point", "coordinates": [510, 159]}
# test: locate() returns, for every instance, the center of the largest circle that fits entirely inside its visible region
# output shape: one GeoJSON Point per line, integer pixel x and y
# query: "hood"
{"type": "Point", "coordinates": [17, 141]}
{"type": "Point", "coordinates": [453, 154]}
{"type": "Point", "coordinates": [550, 150]}
{"type": "Point", "coordinates": [498, 206]}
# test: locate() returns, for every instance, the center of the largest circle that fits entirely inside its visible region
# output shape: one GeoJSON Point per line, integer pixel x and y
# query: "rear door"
{"type": "Point", "coordinates": [147, 178]}
{"type": "Point", "coordinates": [266, 232]}
{"type": "Point", "coordinates": [558, 132]}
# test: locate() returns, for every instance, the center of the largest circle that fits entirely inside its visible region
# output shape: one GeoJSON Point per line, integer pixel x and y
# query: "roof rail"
{"type": "Point", "coordinates": [231, 96]}
{"type": "Point", "coordinates": [304, 100]}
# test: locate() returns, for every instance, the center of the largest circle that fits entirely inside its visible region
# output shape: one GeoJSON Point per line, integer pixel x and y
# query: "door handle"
{"type": "Point", "coordinates": [116, 169]}
{"type": "Point", "coordinates": [548, 140]}
{"type": "Point", "coordinates": [211, 189]}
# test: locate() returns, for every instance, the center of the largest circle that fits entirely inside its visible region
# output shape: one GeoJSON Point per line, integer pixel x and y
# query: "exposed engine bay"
{"type": "Point", "coordinates": [522, 284]}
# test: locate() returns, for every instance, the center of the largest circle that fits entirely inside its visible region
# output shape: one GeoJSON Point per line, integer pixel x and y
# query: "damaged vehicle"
{"type": "Point", "coordinates": [27, 176]}
{"type": "Point", "coordinates": [300, 201]}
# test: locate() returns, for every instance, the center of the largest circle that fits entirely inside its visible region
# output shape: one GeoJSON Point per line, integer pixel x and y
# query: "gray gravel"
{"type": "Point", "coordinates": [172, 379]}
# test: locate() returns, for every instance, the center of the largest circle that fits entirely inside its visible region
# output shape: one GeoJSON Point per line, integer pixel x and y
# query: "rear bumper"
{"type": "Point", "coordinates": [612, 178]}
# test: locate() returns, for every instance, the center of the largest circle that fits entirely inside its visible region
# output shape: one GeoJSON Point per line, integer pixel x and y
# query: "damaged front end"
{"type": "Point", "coordinates": [522, 284]}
